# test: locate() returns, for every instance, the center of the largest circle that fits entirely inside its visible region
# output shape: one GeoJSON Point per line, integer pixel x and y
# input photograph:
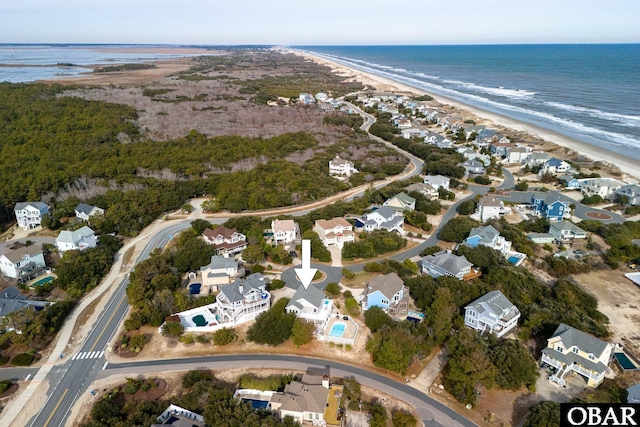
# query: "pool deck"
{"type": "Point", "coordinates": [350, 330]}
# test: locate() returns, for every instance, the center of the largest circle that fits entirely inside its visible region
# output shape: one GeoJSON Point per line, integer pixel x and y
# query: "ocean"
{"type": "Point", "coordinates": [586, 92]}
{"type": "Point", "coordinates": [27, 63]}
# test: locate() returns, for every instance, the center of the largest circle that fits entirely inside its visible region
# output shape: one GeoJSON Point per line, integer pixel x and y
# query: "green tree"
{"type": "Point", "coordinates": [440, 315]}
{"type": "Point", "coordinates": [253, 254]}
{"type": "Point", "coordinates": [302, 332]}
{"type": "Point", "coordinates": [401, 418]}
{"type": "Point", "coordinates": [199, 225]}
{"type": "Point", "coordinates": [467, 207]}
{"type": "Point", "coordinates": [332, 289]}
{"type": "Point", "coordinates": [457, 229]}
{"type": "Point", "coordinates": [543, 414]}
{"type": "Point", "coordinates": [172, 329]}
{"type": "Point", "coordinates": [515, 366]}
{"type": "Point", "coordinates": [375, 318]}
{"type": "Point", "coordinates": [224, 336]}
{"type": "Point", "coordinates": [522, 186]}
{"type": "Point", "coordinates": [272, 327]}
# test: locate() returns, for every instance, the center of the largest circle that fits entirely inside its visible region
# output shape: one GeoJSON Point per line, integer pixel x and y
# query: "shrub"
{"type": "Point", "coordinates": [272, 327]}
{"type": "Point", "coordinates": [302, 332]}
{"type": "Point", "coordinates": [332, 289]}
{"type": "Point", "coordinates": [22, 359]}
{"type": "Point", "coordinates": [347, 294]}
{"type": "Point", "coordinates": [193, 377]}
{"type": "Point", "coordinates": [352, 306]}
{"type": "Point", "coordinates": [187, 339]}
{"type": "Point", "coordinates": [224, 336]}
{"type": "Point", "coordinates": [203, 339]}
{"type": "Point", "coordinates": [276, 284]}
{"type": "Point", "coordinates": [4, 385]}
{"type": "Point", "coordinates": [348, 274]}
{"type": "Point", "coordinates": [137, 342]}
{"type": "Point", "coordinates": [4, 360]}
{"type": "Point", "coordinates": [402, 418]}
{"type": "Point", "coordinates": [483, 180]}
{"type": "Point", "coordinates": [467, 207]}
{"type": "Point", "coordinates": [172, 329]}
{"type": "Point", "coordinates": [272, 382]}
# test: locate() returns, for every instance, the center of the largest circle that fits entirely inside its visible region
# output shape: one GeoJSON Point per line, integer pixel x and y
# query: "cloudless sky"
{"type": "Point", "coordinates": [328, 22]}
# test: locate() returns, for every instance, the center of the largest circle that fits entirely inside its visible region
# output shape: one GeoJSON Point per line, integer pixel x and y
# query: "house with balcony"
{"type": "Point", "coordinates": [554, 167]}
{"type": "Point", "coordinates": [384, 218]}
{"type": "Point", "coordinates": [29, 214]}
{"type": "Point", "coordinates": [336, 231]}
{"type": "Point", "coordinates": [426, 190]}
{"type": "Point", "coordinates": [77, 240]}
{"type": "Point", "coordinates": [306, 98]}
{"type": "Point", "coordinates": [226, 241]}
{"type": "Point", "coordinates": [537, 159]}
{"type": "Point", "coordinates": [11, 300]}
{"type": "Point", "coordinates": [631, 192]}
{"type": "Point", "coordinates": [23, 262]}
{"type": "Point", "coordinates": [490, 208]}
{"type": "Point", "coordinates": [492, 313]}
{"type": "Point", "coordinates": [550, 206]}
{"type": "Point", "coordinates": [243, 300]}
{"type": "Point", "coordinates": [285, 232]}
{"type": "Point", "coordinates": [312, 305]}
{"type": "Point", "coordinates": [569, 182]}
{"type": "Point", "coordinates": [84, 212]}
{"type": "Point", "coordinates": [387, 292]}
{"type": "Point", "coordinates": [401, 202]}
{"type": "Point", "coordinates": [408, 133]}
{"type": "Point", "coordinates": [517, 155]}
{"type": "Point", "coordinates": [565, 231]}
{"type": "Point", "coordinates": [500, 149]}
{"type": "Point", "coordinates": [341, 168]}
{"type": "Point", "coordinates": [444, 263]}
{"type": "Point", "coordinates": [603, 187]}
{"type": "Point", "coordinates": [473, 167]}
{"type": "Point", "coordinates": [489, 236]}
{"type": "Point", "coordinates": [570, 351]}
{"type": "Point", "coordinates": [471, 131]}
{"type": "Point", "coordinates": [437, 181]}
{"type": "Point", "coordinates": [220, 271]}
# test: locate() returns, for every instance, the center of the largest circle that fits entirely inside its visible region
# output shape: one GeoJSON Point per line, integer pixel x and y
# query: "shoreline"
{"type": "Point", "coordinates": [627, 166]}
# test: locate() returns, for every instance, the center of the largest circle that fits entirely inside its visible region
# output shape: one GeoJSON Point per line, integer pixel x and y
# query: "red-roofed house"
{"type": "Point", "coordinates": [226, 241]}
{"type": "Point", "coordinates": [336, 231]}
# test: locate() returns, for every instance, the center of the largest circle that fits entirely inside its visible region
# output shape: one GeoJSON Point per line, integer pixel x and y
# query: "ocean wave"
{"type": "Point", "coordinates": [427, 76]}
{"type": "Point", "coordinates": [625, 119]}
{"type": "Point", "coordinates": [498, 91]}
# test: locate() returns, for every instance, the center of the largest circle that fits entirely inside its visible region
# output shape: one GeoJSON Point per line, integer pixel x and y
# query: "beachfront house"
{"type": "Point", "coordinates": [444, 263]}
{"type": "Point", "coordinates": [77, 240]}
{"type": "Point", "coordinates": [310, 304]}
{"type": "Point", "coordinates": [569, 182]}
{"type": "Point", "coordinates": [386, 292]}
{"type": "Point", "coordinates": [23, 262]}
{"type": "Point", "coordinates": [403, 123]}
{"type": "Point", "coordinates": [473, 167]}
{"type": "Point", "coordinates": [554, 167]}
{"type": "Point", "coordinates": [603, 187]}
{"type": "Point", "coordinates": [220, 271]}
{"type": "Point", "coordinates": [565, 231]}
{"type": "Point", "coordinates": [631, 192]}
{"type": "Point", "coordinates": [426, 190]}
{"type": "Point", "coordinates": [226, 241]}
{"type": "Point", "coordinates": [11, 299]}
{"type": "Point", "coordinates": [537, 159]}
{"type": "Point", "coordinates": [490, 208]}
{"type": "Point", "coordinates": [401, 202]}
{"type": "Point", "coordinates": [550, 206]}
{"type": "Point", "coordinates": [437, 181]}
{"type": "Point", "coordinates": [29, 214]}
{"type": "Point", "coordinates": [500, 149]}
{"type": "Point", "coordinates": [84, 211]}
{"type": "Point", "coordinates": [492, 313]}
{"type": "Point", "coordinates": [517, 155]}
{"type": "Point", "coordinates": [384, 218]}
{"type": "Point", "coordinates": [336, 231]}
{"type": "Point", "coordinates": [470, 132]}
{"type": "Point", "coordinates": [341, 168]}
{"type": "Point", "coordinates": [570, 351]}
{"type": "Point", "coordinates": [285, 232]}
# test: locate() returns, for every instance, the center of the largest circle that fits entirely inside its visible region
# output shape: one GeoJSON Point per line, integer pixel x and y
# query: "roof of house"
{"type": "Point", "coordinates": [588, 343]}
{"type": "Point", "coordinates": [283, 225]}
{"type": "Point", "coordinates": [553, 198]}
{"type": "Point", "coordinates": [436, 179]}
{"type": "Point", "coordinates": [532, 236]}
{"type": "Point", "coordinates": [386, 212]}
{"type": "Point", "coordinates": [307, 395]}
{"type": "Point", "coordinates": [571, 358]}
{"type": "Point", "coordinates": [219, 262]}
{"type": "Point", "coordinates": [566, 226]}
{"type": "Point", "coordinates": [389, 285]}
{"type": "Point", "coordinates": [539, 156]}
{"type": "Point", "coordinates": [404, 198]}
{"type": "Point", "coordinates": [420, 187]}
{"type": "Point", "coordinates": [12, 300]}
{"type": "Point", "coordinates": [493, 301]}
{"type": "Point", "coordinates": [490, 201]}
{"type": "Point", "coordinates": [15, 255]}
{"type": "Point", "coordinates": [253, 282]}
{"type": "Point", "coordinates": [327, 224]}
{"type": "Point", "coordinates": [84, 208]}
{"type": "Point", "coordinates": [555, 162]}
{"type": "Point", "coordinates": [311, 294]}
{"type": "Point", "coordinates": [633, 394]}
{"type": "Point", "coordinates": [567, 178]}
{"type": "Point", "coordinates": [338, 161]}
{"type": "Point", "coordinates": [486, 233]}
{"type": "Point", "coordinates": [223, 231]}
{"type": "Point", "coordinates": [67, 236]}
{"type": "Point", "coordinates": [447, 261]}
{"type": "Point", "coordinates": [37, 205]}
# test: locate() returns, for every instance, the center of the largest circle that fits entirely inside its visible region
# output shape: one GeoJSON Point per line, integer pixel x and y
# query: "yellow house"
{"type": "Point", "coordinates": [570, 350]}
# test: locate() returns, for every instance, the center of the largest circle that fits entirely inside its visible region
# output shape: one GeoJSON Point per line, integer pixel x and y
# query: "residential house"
{"type": "Point", "coordinates": [177, 416]}
{"type": "Point", "coordinates": [286, 232]}
{"type": "Point", "coordinates": [569, 182]}
{"type": "Point", "coordinates": [336, 231]}
{"type": "Point", "coordinates": [489, 208]}
{"type": "Point", "coordinates": [341, 168]}
{"type": "Point", "coordinates": [29, 214]}
{"type": "Point", "coordinates": [401, 202]}
{"type": "Point", "coordinates": [11, 299]}
{"type": "Point", "coordinates": [424, 189]}
{"type": "Point", "coordinates": [541, 238]}
{"type": "Point", "coordinates": [84, 212]}
{"type": "Point", "coordinates": [603, 187]}
{"type": "Point", "coordinates": [488, 236]}
{"type": "Point", "coordinates": [326, 107]}
{"type": "Point", "coordinates": [226, 241]}
{"type": "Point", "coordinates": [554, 167]}
{"type": "Point", "coordinates": [310, 304]}
{"type": "Point", "coordinates": [473, 167]}
{"type": "Point", "coordinates": [243, 300]}
{"type": "Point", "coordinates": [23, 262]}
{"type": "Point", "coordinates": [431, 137]}
{"type": "Point", "coordinates": [386, 292]}
{"type": "Point", "coordinates": [630, 191]}
{"type": "Point", "coordinates": [437, 181]}
{"type": "Point", "coordinates": [384, 218]}
{"type": "Point", "coordinates": [220, 271]}
{"type": "Point", "coordinates": [550, 206]}
{"type": "Point", "coordinates": [322, 97]}
{"type": "Point", "coordinates": [452, 122]}
{"type": "Point", "coordinates": [488, 135]}
{"type": "Point", "coordinates": [517, 155]}
{"type": "Point", "coordinates": [492, 313]}
{"type": "Point", "coordinates": [443, 143]}
{"type": "Point", "coordinates": [571, 350]}
{"type": "Point", "coordinates": [500, 149]}
{"type": "Point", "coordinates": [470, 131]}
{"type": "Point", "coordinates": [408, 133]}
{"type": "Point", "coordinates": [307, 98]}
{"type": "Point", "coordinates": [537, 159]}
{"type": "Point", "coordinates": [564, 231]}
{"type": "Point", "coordinates": [77, 240]}
{"type": "Point", "coordinates": [311, 401]}
{"type": "Point", "coordinates": [403, 123]}
{"type": "Point", "coordinates": [444, 263]}
{"type": "Point", "coordinates": [471, 154]}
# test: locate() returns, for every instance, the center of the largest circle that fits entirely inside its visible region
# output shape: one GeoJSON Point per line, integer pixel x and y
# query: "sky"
{"type": "Point", "coordinates": [324, 22]}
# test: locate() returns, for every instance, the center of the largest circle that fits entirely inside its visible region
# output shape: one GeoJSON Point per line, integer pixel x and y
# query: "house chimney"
{"type": "Point", "coordinates": [241, 288]}
{"type": "Point", "coordinates": [325, 381]}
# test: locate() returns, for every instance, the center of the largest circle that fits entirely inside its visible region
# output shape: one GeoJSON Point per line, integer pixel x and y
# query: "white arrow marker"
{"type": "Point", "coordinates": [306, 273]}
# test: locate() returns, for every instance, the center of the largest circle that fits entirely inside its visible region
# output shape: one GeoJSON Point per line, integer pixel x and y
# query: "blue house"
{"type": "Point", "coordinates": [386, 292]}
{"type": "Point", "coordinates": [550, 206]}
{"type": "Point", "coordinates": [569, 182]}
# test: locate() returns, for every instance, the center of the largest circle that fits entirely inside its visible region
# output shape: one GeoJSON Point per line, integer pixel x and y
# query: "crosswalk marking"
{"type": "Point", "coordinates": [88, 355]}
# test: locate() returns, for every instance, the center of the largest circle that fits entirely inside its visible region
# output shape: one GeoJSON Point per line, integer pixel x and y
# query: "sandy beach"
{"type": "Point", "coordinates": [627, 166]}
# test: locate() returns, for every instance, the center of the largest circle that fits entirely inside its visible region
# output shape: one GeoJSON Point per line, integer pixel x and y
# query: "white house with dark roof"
{"type": "Point", "coordinates": [517, 155]}
{"type": "Point", "coordinates": [564, 231]}
{"type": "Point", "coordinates": [285, 232]}
{"type": "Point", "coordinates": [473, 167]}
{"type": "Point", "coordinates": [220, 271]}
{"type": "Point", "coordinates": [384, 218]}
{"type": "Point", "coordinates": [492, 313]}
{"type": "Point", "coordinates": [426, 190]}
{"type": "Point", "coordinates": [401, 202]}
{"type": "Point", "coordinates": [489, 236]}
{"type": "Point", "coordinates": [444, 263]}
{"type": "Point", "coordinates": [311, 305]}
{"type": "Point", "coordinates": [537, 159]}
{"type": "Point", "coordinates": [571, 350]}
{"type": "Point", "coordinates": [603, 187]}
{"type": "Point", "coordinates": [336, 231]}
{"type": "Point", "coordinates": [631, 191]}
{"type": "Point", "coordinates": [84, 212]}
{"type": "Point", "coordinates": [11, 299]}
{"type": "Point", "coordinates": [490, 208]}
{"type": "Point", "coordinates": [77, 240]}
{"type": "Point", "coordinates": [23, 262]}
{"type": "Point", "coordinates": [554, 166]}
{"type": "Point", "coordinates": [226, 241]}
{"type": "Point", "coordinates": [386, 292]}
{"type": "Point", "coordinates": [341, 168]}
{"type": "Point", "coordinates": [437, 181]}
{"type": "Point", "coordinates": [29, 214]}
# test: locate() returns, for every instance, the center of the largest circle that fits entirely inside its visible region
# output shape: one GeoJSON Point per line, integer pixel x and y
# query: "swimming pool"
{"type": "Point", "coordinates": [624, 362]}
{"type": "Point", "coordinates": [337, 330]}
{"type": "Point", "coordinates": [513, 259]}
{"type": "Point", "coordinates": [257, 404]}
{"type": "Point", "coordinates": [43, 281]}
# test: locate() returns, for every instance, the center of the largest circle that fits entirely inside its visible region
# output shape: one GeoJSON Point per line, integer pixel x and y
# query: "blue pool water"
{"type": "Point", "coordinates": [256, 404]}
{"type": "Point", "coordinates": [43, 281]}
{"type": "Point", "coordinates": [513, 259]}
{"type": "Point", "coordinates": [625, 362]}
{"type": "Point", "coordinates": [337, 330]}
